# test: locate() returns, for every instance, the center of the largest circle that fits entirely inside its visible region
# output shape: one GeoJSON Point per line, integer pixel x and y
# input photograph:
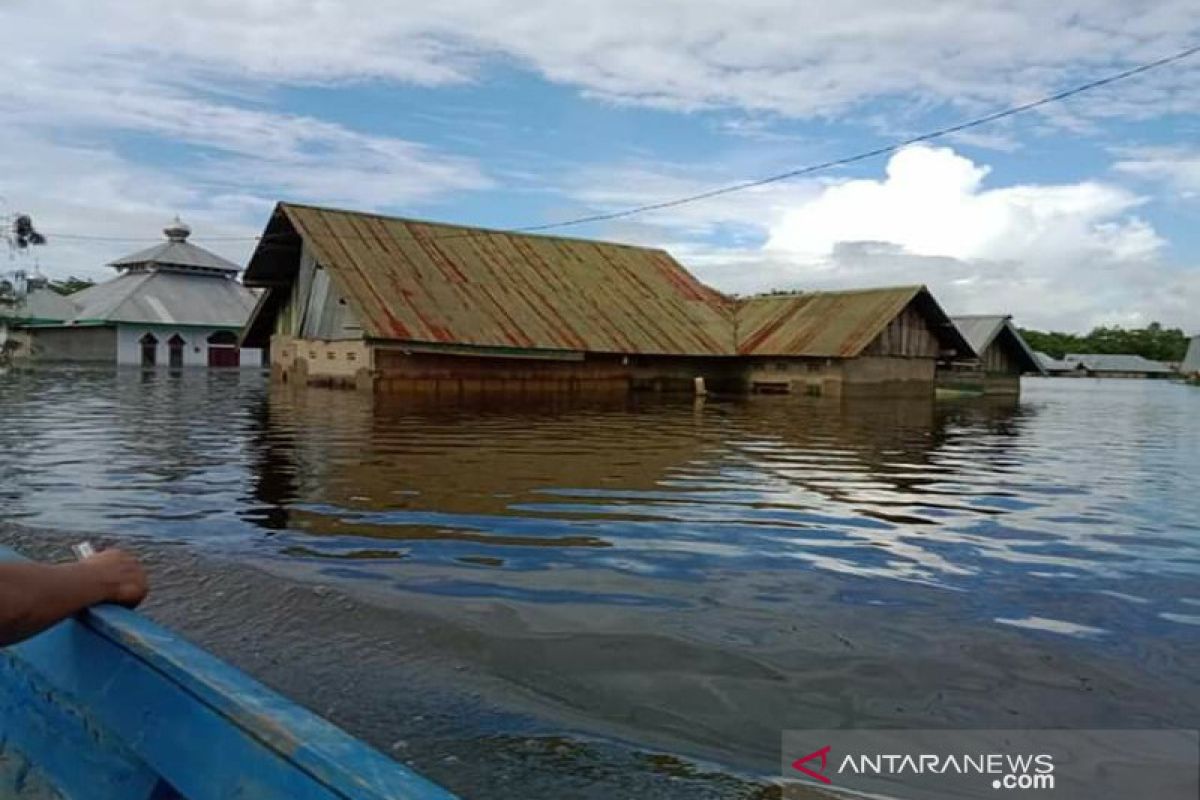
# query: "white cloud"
{"type": "Point", "coordinates": [198, 81]}
{"type": "Point", "coordinates": [1178, 167]}
{"type": "Point", "coordinates": [774, 55]}
{"type": "Point", "coordinates": [1068, 256]}
{"type": "Point", "coordinates": [932, 203]}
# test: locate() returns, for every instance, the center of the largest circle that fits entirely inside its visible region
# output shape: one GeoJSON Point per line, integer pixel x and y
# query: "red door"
{"type": "Point", "coordinates": [223, 350]}
{"type": "Point", "coordinates": [219, 356]}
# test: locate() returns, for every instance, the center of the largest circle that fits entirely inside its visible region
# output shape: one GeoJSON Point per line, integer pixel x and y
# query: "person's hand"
{"type": "Point", "coordinates": [121, 576]}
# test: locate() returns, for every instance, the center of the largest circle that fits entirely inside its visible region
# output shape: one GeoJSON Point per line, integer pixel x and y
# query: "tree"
{"type": "Point", "coordinates": [1154, 342]}
{"type": "Point", "coordinates": [70, 285]}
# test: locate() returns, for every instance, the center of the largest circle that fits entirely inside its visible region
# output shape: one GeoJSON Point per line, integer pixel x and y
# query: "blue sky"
{"type": "Point", "coordinates": [118, 115]}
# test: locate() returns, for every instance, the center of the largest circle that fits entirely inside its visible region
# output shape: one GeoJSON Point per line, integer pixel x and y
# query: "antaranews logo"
{"type": "Point", "coordinates": [822, 754]}
{"type": "Point", "coordinates": [981, 764]}
{"type": "Point", "coordinates": [1007, 771]}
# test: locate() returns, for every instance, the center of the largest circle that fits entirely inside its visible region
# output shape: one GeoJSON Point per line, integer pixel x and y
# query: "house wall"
{"type": "Point", "coordinates": [91, 344]}
{"type": "Point", "coordinates": [195, 350]}
{"type": "Point", "coordinates": [465, 376]}
{"type": "Point", "coordinates": [888, 375]}
{"type": "Point", "coordinates": [321, 362]}
{"type": "Point", "coordinates": [792, 375]}
{"type": "Point", "coordinates": [315, 309]}
{"type": "Point", "coordinates": [679, 373]}
{"type": "Point", "coordinates": [906, 335]}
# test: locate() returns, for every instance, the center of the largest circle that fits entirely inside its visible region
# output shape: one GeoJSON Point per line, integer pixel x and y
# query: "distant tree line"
{"type": "Point", "coordinates": [1154, 342]}
{"type": "Point", "coordinates": [70, 285]}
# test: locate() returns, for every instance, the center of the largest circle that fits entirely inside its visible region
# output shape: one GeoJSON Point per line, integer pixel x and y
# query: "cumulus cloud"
{"type": "Point", "coordinates": [115, 113]}
{"type": "Point", "coordinates": [1068, 256]}
{"type": "Point", "coordinates": [932, 202]}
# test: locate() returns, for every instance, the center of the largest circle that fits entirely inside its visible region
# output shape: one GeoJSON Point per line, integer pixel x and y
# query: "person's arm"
{"type": "Point", "coordinates": [35, 596]}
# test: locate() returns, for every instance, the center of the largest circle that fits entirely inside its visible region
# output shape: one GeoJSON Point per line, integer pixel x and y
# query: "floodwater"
{"type": "Point", "coordinates": [670, 576]}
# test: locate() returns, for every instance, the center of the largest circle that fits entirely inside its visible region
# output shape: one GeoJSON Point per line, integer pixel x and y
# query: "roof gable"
{"type": "Point", "coordinates": [981, 330]}
{"type": "Point", "coordinates": [833, 324]}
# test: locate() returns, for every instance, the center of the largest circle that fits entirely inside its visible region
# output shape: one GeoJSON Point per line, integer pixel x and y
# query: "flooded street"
{"type": "Point", "coordinates": [649, 575]}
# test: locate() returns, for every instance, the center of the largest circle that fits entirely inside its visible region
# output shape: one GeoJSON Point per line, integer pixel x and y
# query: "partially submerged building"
{"type": "Point", "coordinates": [173, 304]}
{"type": "Point", "coordinates": [1002, 356]}
{"type": "Point", "coordinates": [1191, 362]}
{"type": "Point", "coordinates": [1108, 365]}
{"type": "Point", "coordinates": [392, 304]}
{"type": "Point", "coordinates": [1058, 368]}
{"type": "Point", "coordinates": [831, 343]}
{"type": "Point", "coordinates": [33, 305]}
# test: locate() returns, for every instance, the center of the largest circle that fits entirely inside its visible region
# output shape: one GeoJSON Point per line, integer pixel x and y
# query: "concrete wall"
{"type": "Point", "coordinates": [888, 375]}
{"type": "Point", "coordinates": [195, 349]}
{"type": "Point", "coordinates": [466, 376]}
{"type": "Point", "coordinates": [97, 345]}
{"type": "Point", "coordinates": [393, 369]}
{"type": "Point", "coordinates": [679, 373]}
{"type": "Point", "coordinates": [321, 362]}
{"type": "Point", "coordinates": [780, 375]}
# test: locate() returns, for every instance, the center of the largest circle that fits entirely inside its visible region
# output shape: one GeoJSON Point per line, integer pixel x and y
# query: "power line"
{"type": "Point", "coordinates": [939, 133]}
{"type": "Point", "coordinates": [863, 156]}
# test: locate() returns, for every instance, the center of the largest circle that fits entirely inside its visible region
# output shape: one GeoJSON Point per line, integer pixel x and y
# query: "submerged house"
{"type": "Point", "coordinates": [826, 343]}
{"type": "Point", "coordinates": [1191, 362]}
{"type": "Point", "coordinates": [1002, 357]}
{"type": "Point", "coordinates": [1107, 365]}
{"type": "Point", "coordinates": [173, 304]}
{"type": "Point", "coordinates": [35, 305]}
{"type": "Point", "coordinates": [392, 304]}
{"type": "Point", "coordinates": [1058, 368]}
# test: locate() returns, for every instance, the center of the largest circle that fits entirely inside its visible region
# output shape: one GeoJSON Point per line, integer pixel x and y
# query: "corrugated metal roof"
{"type": "Point", "coordinates": [40, 305]}
{"type": "Point", "coordinates": [1051, 364]}
{"type": "Point", "coordinates": [1109, 362]}
{"type": "Point", "coordinates": [428, 282]}
{"type": "Point", "coordinates": [1191, 362]}
{"type": "Point", "coordinates": [980, 330]}
{"type": "Point", "coordinates": [177, 254]}
{"type": "Point", "coordinates": [159, 297]}
{"type": "Point", "coordinates": [831, 324]}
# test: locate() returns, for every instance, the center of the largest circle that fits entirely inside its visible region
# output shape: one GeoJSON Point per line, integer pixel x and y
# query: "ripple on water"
{"type": "Point", "coordinates": [1012, 516]}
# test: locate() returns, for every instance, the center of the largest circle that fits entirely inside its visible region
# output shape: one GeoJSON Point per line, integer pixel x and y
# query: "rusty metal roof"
{"type": "Point", "coordinates": [832, 324]}
{"type": "Point", "coordinates": [428, 282]}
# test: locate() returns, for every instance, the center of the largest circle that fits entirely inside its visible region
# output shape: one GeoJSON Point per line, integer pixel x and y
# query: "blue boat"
{"type": "Point", "coordinates": [110, 705]}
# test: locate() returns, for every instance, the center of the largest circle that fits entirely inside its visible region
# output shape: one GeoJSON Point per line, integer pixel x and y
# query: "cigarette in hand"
{"type": "Point", "coordinates": [83, 550]}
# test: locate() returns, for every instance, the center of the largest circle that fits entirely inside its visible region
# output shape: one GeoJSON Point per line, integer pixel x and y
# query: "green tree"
{"type": "Point", "coordinates": [1154, 342]}
{"type": "Point", "coordinates": [70, 285]}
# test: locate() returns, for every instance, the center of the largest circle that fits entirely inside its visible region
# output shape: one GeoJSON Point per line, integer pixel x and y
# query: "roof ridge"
{"type": "Point", "coordinates": [915, 287]}
{"type": "Point", "coordinates": [478, 228]}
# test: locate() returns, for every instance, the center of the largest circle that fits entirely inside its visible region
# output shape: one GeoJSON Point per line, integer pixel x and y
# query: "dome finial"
{"type": "Point", "coordinates": [177, 231]}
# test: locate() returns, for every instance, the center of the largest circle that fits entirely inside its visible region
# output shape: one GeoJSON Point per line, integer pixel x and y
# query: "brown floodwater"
{"type": "Point", "coordinates": [637, 596]}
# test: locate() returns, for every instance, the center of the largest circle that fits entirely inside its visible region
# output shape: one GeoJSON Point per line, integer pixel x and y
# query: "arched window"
{"type": "Point", "coordinates": [175, 347]}
{"type": "Point", "coordinates": [149, 350]}
{"type": "Point", "coordinates": [223, 349]}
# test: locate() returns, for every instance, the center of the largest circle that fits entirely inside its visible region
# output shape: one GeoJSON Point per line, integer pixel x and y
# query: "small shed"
{"type": "Point", "coordinates": [840, 342]}
{"type": "Point", "coordinates": [1001, 357]}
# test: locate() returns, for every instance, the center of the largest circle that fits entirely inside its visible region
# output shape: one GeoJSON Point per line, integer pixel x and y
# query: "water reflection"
{"type": "Point", "coordinates": [709, 571]}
